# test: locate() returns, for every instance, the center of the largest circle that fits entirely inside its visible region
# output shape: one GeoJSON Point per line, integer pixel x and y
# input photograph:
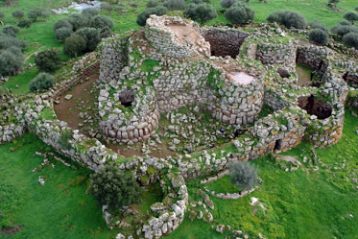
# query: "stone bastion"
{"type": "Point", "coordinates": [139, 81]}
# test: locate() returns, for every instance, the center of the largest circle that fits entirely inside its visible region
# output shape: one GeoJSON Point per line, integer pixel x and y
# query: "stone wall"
{"type": "Point", "coordinates": [275, 53]}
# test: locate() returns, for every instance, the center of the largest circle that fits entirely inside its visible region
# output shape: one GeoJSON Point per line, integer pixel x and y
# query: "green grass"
{"type": "Point", "coordinates": [61, 208]}
{"type": "Point", "coordinates": [224, 185]}
{"type": "Point", "coordinates": [300, 204]}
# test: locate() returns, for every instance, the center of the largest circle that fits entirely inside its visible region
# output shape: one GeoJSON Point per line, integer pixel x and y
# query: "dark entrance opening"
{"type": "Point", "coordinates": [351, 79]}
{"type": "Point", "coordinates": [315, 107]}
{"type": "Point", "coordinates": [225, 42]}
{"type": "Point", "coordinates": [126, 97]}
{"type": "Point", "coordinates": [278, 145]}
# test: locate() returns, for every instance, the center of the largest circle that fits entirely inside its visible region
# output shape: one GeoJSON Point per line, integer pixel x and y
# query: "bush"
{"type": "Point", "coordinates": [351, 40]}
{"type": "Point", "coordinates": [24, 23]}
{"type": "Point", "coordinates": [41, 82]}
{"type": "Point", "coordinates": [92, 37]}
{"type": "Point", "coordinates": [10, 31]}
{"type": "Point", "coordinates": [345, 22]}
{"type": "Point", "coordinates": [200, 12]}
{"type": "Point", "coordinates": [351, 16]}
{"type": "Point", "coordinates": [7, 41]}
{"type": "Point", "coordinates": [175, 4]}
{"type": "Point", "coordinates": [62, 33]}
{"type": "Point", "coordinates": [36, 14]}
{"type": "Point", "coordinates": [90, 12]}
{"type": "Point", "coordinates": [152, 3]}
{"type": "Point", "coordinates": [318, 25]}
{"type": "Point", "coordinates": [319, 37]}
{"type": "Point", "coordinates": [75, 45]}
{"type": "Point", "coordinates": [101, 22]}
{"type": "Point", "coordinates": [288, 19]}
{"type": "Point", "coordinates": [114, 188]}
{"type": "Point", "coordinates": [18, 14]}
{"type": "Point", "coordinates": [78, 21]}
{"type": "Point", "coordinates": [11, 61]}
{"type": "Point", "coordinates": [227, 3]}
{"type": "Point", "coordinates": [239, 14]}
{"type": "Point", "coordinates": [243, 175]}
{"type": "Point", "coordinates": [48, 60]}
{"type": "Point", "coordinates": [159, 11]}
{"type": "Point", "coordinates": [341, 30]}
{"type": "Point", "coordinates": [63, 23]}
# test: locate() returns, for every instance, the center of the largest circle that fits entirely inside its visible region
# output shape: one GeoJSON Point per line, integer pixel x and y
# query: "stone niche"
{"type": "Point", "coordinates": [224, 42]}
{"type": "Point", "coordinates": [314, 106]}
{"type": "Point", "coordinates": [351, 78]}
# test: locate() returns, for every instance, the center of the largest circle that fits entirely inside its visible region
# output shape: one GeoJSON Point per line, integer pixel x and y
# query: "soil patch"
{"type": "Point", "coordinates": [10, 230]}
{"type": "Point", "coordinates": [304, 75]}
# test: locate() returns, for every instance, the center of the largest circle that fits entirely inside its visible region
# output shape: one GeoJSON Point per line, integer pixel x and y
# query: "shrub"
{"type": "Point", "coordinates": [10, 30]}
{"type": "Point", "coordinates": [341, 30]}
{"type": "Point", "coordinates": [11, 61]}
{"type": "Point", "coordinates": [25, 23]}
{"type": "Point", "coordinates": [101, 22]}
{"type": "Point", "coordinates": [152, 3]}
{"type": "Point", "coordinates": [78, 21]}
{"type": "Point", "coordinates": [239, 14]}
{"type": "Point", "coordinates": [318, 25]}
{"type": "Point", "coordinates": [7, 41]}
{"type": "Point", "coordinates": [288, 19]}
{"type": "Point", "coordinates": [114, 187]}
{"type": "Point", "coordinates": [36, 14]}
{"type": "Point", "coordinates": [63, 23]}
{"type": "Point", "coordinates": [319, 37]}
{"type": "Point", "coordinates": [351, 16]}
{"type": "Point", "coordinates": [92, 37]}
{"type": "Point", "coordinates": [175, 4]}
{"type": "Point", "coordinates": [62, 33]}
{"type": "Point", "coordinates": [200, 12]}
{"type": "Point", "coordinates": [227, 3]}
{"type": "Point", "coordinates": [243, 175]}
{"type": "Point", "coordinates": [351, 40]}
{"type": "Point", "coordinates": [18, 14]}
{"type": "Point", "coordinates": [41, 82]}
{"type": "Point", "coordinates": [142, 17]}
{"type": "Point", "coordinates": [48, 60]}
{"type": "Point", "coordinates": [75, 45]}
{"type": "Point", "coordinates": [345, 22]}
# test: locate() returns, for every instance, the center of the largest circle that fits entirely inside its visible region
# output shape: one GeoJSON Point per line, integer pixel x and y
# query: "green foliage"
{"type": "Point", "coordinates": [341, 30]}
{"type": "Point", "coordinates": [142, 17]}
{"type": "Point", "coordinates": [48, 60]}
{"type": "Point", "coordinates": [114, 187]}
{"type": "Point", "coordinates": [101, 22]}
{"type": "Point", "coordinates": [75, 45]}
{"type": "Point", "coordinates": [63, 33]}
{"type": "Point", "coordinates": [239, 14]}
{"type": "Point", "coordinates": [200, 12]}
{"type": "Point", "coordinates": [153, 3]}
{"type": "Point", "coordinates": [10, 30]}
{"type": "Point", "coordinates": [65, 137]}
{"type": "Point", "coordinates": [7, 41]}
{"type": "Point", "coordinates": [63, 23]}
{"type": "Point", "coordinates": [42, 82]}
{"type": "Point", "coordinates": [288, 19]}
{"type": "Point", "coordinates": [319, 37]}
{"type": "Point", "coordinates": [351, 40]}
{"type": "Point", "coordinates": [243, 175]}
{"type": "Point", "coordinates": [91, 36]}
{"type": "Point", "coordinates": [25, 23]}
{"type": "Point", "coordinates": [175, 4]}
{"type": "Point", "coordinates": [37, 14]}
{"type": "Point", "coordinates": [11, 60]}
{"type": "Point", "coordinates": [78, 21]}
{"type": "Point", "coordinates": [227, 3]}
{"type": "Point", "coordinates": [18, 14]}
{"type": "Point", "coordinates": [351, 16]}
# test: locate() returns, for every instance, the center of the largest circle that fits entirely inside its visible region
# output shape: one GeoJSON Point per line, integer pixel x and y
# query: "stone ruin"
{"type": "Point", "coordinates": [172, 63]}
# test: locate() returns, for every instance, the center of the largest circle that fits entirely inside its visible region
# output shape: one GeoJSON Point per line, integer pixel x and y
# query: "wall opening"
{"type": "Point", "coordinates": [225, 42]}
{"type": "Point", "coordinates": [351, 79]}
{"type": "Point", "coordinates": [314, 106]}
{"type": "Point", "coordinates": [126, 97]}
{"type": "Point", "coordinates": [278, 145]}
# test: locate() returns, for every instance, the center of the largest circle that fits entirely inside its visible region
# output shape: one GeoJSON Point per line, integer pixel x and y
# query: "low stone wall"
{"type": "Point", "coordinates": [271, 53]}
{"type": "Point", "coordinates": [316, 57]}
{"type": "Point", "coordinates": [10, 132]}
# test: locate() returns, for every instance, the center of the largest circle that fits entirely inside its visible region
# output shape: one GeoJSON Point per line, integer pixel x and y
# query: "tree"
{"type": "Point", "coordinates": [239, 14]}
{"type": "Point", "coordinates": [227, 3]}
{"type": "Point", "coordinates": [11, 60]}
{"type": "Point", "coordinates": [92, 37]}
{"type": "Point", "coordinates": [7, 41]}
{"type": "Point", "coordinates": [201, 12]}
{"type": "Point", "coordinates": [351, 16]}
{"type": "Point", "coordinates": [18, 14]}
{"type": "Point", "coordinates": [48, 60]}
{"type": "Point", "coordinates": [101, 22]}
{"type": "Point", "coordinates": [10, 31]}
{"type": "Point", "coordinates": [25, 23]}
{"type": "Point", "coordinates": [142, 17]}
{"type": "Point", "coordinates": [78, 21]}
{"type": "Point", "coordinates": [175, 4]}
{"type": "Point", "coordinates": [75, 45]}
{"type": "Point", "coordinates": [288, 19]}
{"type": "Point", "coordinates": [63, 23]}
{"type": "Point", "coordinates": [341, 30]}
{"type": "Point", "coordinates": [35, 14]}
{"type": "Point", "coordinates": [243, 175]}
{"type": "Point", "coordinates": [41, 82]}
{"type": "Point", "coordinates": [62, 33]}
{"type": "Point", "coordinates": [114, 187]}
{"type": "Point", "coordinates": [319, 37]}
{"type": "Point", "coordinates": [351, 40]}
